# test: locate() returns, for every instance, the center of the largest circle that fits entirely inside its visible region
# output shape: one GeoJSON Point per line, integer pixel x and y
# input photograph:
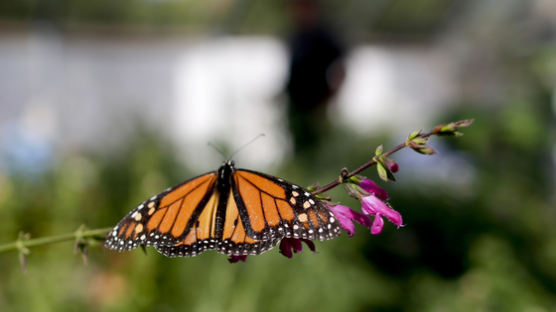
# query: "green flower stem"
{"type": "Point", "coordinates": [79, 234]}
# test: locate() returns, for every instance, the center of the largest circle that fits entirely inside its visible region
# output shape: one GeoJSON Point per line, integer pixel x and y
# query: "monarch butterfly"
{"type": "Point", "coordinates": [233, 211]}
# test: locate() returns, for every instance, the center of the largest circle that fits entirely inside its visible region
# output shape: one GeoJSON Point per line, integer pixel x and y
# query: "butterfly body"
{"type": "Point", "coordinates": [233, 211]}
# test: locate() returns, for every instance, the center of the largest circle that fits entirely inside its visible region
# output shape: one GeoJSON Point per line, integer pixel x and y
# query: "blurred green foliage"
{"type": "Point", "coordinates": [420, 17]}
{"type": "Point", "coordinates": [490, 249]}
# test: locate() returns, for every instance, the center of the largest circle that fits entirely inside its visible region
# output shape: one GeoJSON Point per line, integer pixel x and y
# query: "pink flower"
{"type": "Point", "coordinates": [289, 244]}
{"type": "Point", "coordinates": [346, 216]}
{"type": "Point", "coordinates": [371, 187]}
{"type": "Point", "coordinates": [373, 206]}
{"type": "Point", "coordinates": [234, 259]}
{"type": "Point", "coordinates": [393, 166]}
{"type": "Point", "coordinates": [377, 226]}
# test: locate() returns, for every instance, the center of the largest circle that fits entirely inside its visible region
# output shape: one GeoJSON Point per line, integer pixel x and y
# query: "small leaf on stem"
{"type": "Point", "coordinates": [450, 129]}
{"type": "Point", "coordinates": [420, 140]}
{"type": "Point", "coordinates": [421, 148]}
{"type": "Point", "coordinates": [426, 150]}
{"type": "Point", "coordinates": [464, 123]}
{"type": "Point", "coordinates": [383, 172]}
{"type": "Point", "coordinates": [23, 251]}
{"type": "Point", "coordinates": [84, 254]}
{"type": "Point", "coordinates": [23, 262]}
{"type": "Point", "coordinates": [379, 150]}
{"type": "Point", "coordinates": [351, 190]}
{"type": "Point", "coordinates": [414, 134]}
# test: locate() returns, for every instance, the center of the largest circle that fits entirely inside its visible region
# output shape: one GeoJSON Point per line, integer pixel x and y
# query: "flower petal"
{"type": "Point", "coordinates": [296, 244]}
{"type": "Point", "coordinates": [286, 248]}
{"type": "Point", "coordinates": [393, 216]}
{"type": "Point", "coordinates": [234, 259]}
{"type": "Point", "coordinates": [290, 245]}
{"type": "Point", "coordinates": [378, 224]}
{"type": "Point", "coordinates": [287, 245]}
{"type": "Point", "coordinates": [360, 218]}
{"type": "Point", "coordinates": [346, 216]}
{"type": "Point", "coordinates": [371, 187]}
{"type": "Point", "coordinates": [310, 244]}
{"type": "Point", "coordinates": [343, 216]}
{"type": "Point", "coordinates": [373, 206]}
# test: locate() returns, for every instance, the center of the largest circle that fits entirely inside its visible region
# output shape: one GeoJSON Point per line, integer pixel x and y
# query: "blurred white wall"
{"type": "Point", "coordinates": [62, 93]}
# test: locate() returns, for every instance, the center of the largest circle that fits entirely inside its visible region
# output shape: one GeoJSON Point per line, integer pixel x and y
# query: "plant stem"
{"type": "Point", "coordinates": [19, 244]}
{"type": "Point", "coordinates": [370, 163]}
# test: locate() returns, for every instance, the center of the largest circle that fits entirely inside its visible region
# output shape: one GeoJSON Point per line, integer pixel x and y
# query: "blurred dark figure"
{"type": "Point", "coordinates": [315, 74]}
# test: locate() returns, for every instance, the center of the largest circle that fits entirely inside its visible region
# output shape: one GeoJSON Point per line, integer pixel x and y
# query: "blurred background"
{"type": "Point", "coordinates": [105, 103]}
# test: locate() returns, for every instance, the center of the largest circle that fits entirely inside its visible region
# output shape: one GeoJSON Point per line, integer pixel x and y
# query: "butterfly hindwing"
{"type": "Point", "coordinates": [227, 236]}
{"type": "Point", "coordinates": [227, 247]}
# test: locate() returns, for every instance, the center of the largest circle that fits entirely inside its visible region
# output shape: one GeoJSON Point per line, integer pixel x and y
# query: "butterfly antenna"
{"type": "Point", "coordinates": [260, 135]}
{"type": "Point", "coordinates": [217, 149]}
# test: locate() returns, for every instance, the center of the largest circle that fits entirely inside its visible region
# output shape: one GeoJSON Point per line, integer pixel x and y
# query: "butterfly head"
{"type": "Point", "coordinates": [226, 169]}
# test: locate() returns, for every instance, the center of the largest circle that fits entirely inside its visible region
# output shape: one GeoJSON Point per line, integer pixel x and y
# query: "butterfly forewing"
{"type": "Point", "coordinates": [165, 218]}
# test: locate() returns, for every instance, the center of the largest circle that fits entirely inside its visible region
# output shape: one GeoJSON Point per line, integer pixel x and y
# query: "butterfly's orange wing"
{"type": "Point", "coordinates": [259, 211]}
{"type": "Point", "coordinates": [273, 207]}
{"type": "Point", "coordinates": [236, 212]}
{"type": "Point", "coordinates": [228, 237]}
{"type": "Point", "coordinates": [164, 218]}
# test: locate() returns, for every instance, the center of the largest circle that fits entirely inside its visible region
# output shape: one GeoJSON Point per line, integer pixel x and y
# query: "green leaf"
{"type": "Point", "coordinates": [381, 172]}
{"type": "Point", "coordinates": [420, 140]}
{"type": "Point", "coordinates": [421, 148]}
{"type": "Point", "coordinates": [451, 127]}
{"type": "Point", "coordinates": [426, 150]}
{"type": "Point", "coordinates": [355, 180]}
{"type": "Point", "coordinates": [450, 134]}
{"type": "Point", "coordinates": [351, 190]}
{"type": "Point", "coordinates": [379, 150]}
{"type": "Point", "coordinates": [311, 188]}
{"type": "Point", "coordinates": [384, 173]}
{"type": "Point", "coordinates": [464, 123]}
{"type": "Point", "coordinates": [446, 133]}
{"type": "Point", "coordinates": [414, 134]}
